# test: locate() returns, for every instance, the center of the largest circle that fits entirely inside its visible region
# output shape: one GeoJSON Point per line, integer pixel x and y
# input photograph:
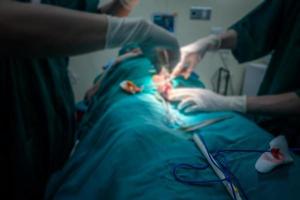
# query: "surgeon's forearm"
{"type": "Point", "coordinates": [283, 104]}
{"type": "Point", "coordinates": [43, 30]}
{"type": "Point", "coordinates": [228, 39]}
{"type": "Point", "coordinates": [114, 8]}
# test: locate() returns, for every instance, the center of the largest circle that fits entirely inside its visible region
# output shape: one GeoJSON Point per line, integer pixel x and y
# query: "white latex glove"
{"type": "Point", "coordinates": [192, 54]}
{"type": "Point", "coordinates": [123, 31]}
{"type": "Point", "coordinates": [193, 100]}
{"type": "Point", "coordinates": [129, 4]}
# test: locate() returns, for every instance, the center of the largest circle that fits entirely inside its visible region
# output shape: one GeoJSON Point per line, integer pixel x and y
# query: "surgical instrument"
{"type": "Point", "coordinates": [231, 188]}
{"type": "Point", "coordinates": [205, 123]}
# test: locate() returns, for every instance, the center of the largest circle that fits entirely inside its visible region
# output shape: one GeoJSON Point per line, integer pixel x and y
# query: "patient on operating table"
{"type": "Point", "coordinates": [130, 51]}
{"type": "Point", "coordinates": [161, 80]}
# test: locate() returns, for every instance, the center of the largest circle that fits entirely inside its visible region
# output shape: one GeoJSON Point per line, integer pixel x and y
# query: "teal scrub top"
{"type": "Point", "coordinates": [274, 27]}
{"type": "Point", "coordinates": [38, 129]}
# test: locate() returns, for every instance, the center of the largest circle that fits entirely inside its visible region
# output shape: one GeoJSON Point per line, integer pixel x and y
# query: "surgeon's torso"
{"type": "Point", "coordinates": [38, 107]}
{"type": "Point", "coordinates": [284, 70]}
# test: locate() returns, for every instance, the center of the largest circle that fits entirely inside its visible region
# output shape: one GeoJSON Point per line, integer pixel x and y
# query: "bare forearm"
{"type": "Point", "coordinates": [228, 39]}
{"type": "Point", "coordinates": [114, 8]}
{"type": "Point", "coordinates": [282, 104]}
{"type": "Point", "coordinates": [43, 30]}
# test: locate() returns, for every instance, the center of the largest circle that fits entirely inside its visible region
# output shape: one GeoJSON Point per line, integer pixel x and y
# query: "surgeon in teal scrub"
{"type": "Point", "coordinates": [272, 27]}
{"type": "Point", "coordinates": [36, 38]}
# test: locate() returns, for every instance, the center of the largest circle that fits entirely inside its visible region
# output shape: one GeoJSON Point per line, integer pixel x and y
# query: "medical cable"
{"type": "Point", "coordinates": [229, 185]}
{"type": "Point", "coordinates": [222, 165]}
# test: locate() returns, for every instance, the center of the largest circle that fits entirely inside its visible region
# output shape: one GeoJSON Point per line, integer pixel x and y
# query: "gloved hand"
{"type": "Point", "coordinates": [123, 31]}
{"type": "Point", "coordinates": [193, 53]}
{"type": "Point", "coordinates": [193, 100]}
{"type": "Point", "coordinates": [128, 4]}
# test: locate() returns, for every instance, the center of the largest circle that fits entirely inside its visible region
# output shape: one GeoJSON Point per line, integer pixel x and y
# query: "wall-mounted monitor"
{"type": "Point", "coordinates": [165, 20]}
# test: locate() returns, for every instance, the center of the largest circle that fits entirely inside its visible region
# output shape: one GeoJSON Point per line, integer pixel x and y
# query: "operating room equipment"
{"type": "Point", "coordinates": [205, 123]}
{"type": "Point", "coordinates": [164, 61]}
{"type": "Point", "coordinates": [165, 20]}
{"type": "Point", "coordinates": [220, 170]}
{"type": "Point", "coordinates": [230, 187]}
{"type": "Point", "coordinates": [222, 78]}
{"type": "Point", "coordinates": [224, 75]}
{"type": "Point", "coordinates": [278, 154]}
